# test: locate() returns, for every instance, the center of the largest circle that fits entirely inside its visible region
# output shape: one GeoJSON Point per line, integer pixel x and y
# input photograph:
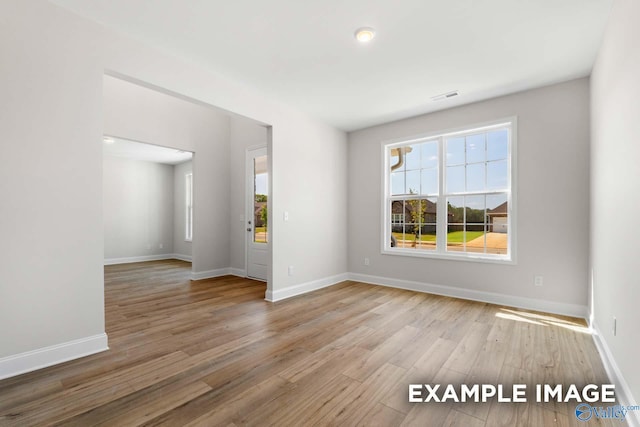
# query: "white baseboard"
{"type": "Point", "coordinates": [573, 310]}
{"type": "Point", "coordinates": [144, 258]}
{"type": "Point", "coordinates": [129, 260]}
{"type": "Point", "coordinates": [565, 309]}
{"type": "Point", "coordinates": [240, 272]}
{"type": "Point", "coordinates": [623, 392]}
{"type": "Point", "coordinates": [303, 288]}
{"type": "Point", "coordinates": [181, 257]}
{"type": "Point", "coordinates": [22, 363]}
{"type": "Point", "coordinates": [200, 275]}
{"type": "Point", "coordinates": [209, 274]}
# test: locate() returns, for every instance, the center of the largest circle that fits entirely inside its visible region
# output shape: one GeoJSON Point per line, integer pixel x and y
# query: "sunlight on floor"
{"type": "Point", "coordinates": [542, 319]}
{"type": "Point", "coordinates": [518, 318]}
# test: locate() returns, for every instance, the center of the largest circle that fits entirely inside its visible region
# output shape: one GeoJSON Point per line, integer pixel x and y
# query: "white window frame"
{"type": "Point", "coordinates": [188, 236]}
{"type": "Point", "coordinates": [441, 252]}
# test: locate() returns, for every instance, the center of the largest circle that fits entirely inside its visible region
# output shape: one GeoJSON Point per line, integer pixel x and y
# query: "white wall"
{"type": "Point", "coordinates": [243, 134]}
{"type": "Point", "coordinates": [51, 114]}
{"type": "Point", "coordinates": [51, 277]}
{"type": "Point", "coordinates": [552, 199]}
{"type": "Point", "coordinates": [615, 178]}
{"type": "Point", "coordinates": [180, 246]}
{"type": "Point", "coordinates": [138, 202]}
{"type": "Point", "coordinates": [141, 114]}
{"type": "Point", "coordinates": [309, 182]}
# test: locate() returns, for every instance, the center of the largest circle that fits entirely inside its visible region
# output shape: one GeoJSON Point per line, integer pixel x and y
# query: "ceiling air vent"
{"type": "Point", "coordinates": [445, 95]}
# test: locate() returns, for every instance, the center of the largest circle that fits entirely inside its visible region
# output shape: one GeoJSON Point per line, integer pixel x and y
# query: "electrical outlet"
{"type": "Point", "coordinates": [538, 280]}
{"type": "Point", "coordinates": [615, 326]}
{"type": "Point", "coordinates": [285, 216]}
{"type": "Point", "coordinates": [366, 261]}
{"type": "Point", "coordinates": [160, 245]}
{"type": "Point", "coordinates": [290, 270]}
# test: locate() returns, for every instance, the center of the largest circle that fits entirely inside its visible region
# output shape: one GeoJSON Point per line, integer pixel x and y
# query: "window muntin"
{"type": "Point", "coordinates": [450, 195]}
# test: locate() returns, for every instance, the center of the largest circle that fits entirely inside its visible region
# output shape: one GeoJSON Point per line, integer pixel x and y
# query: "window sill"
{"type": "Point", "coordinates": [481, 258]}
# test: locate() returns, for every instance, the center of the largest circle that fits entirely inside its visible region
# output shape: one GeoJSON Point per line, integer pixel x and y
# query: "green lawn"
{"type": "Point", "coordinates": [453, 237]}
{"type": "Point", "coordinates": [261, 229]}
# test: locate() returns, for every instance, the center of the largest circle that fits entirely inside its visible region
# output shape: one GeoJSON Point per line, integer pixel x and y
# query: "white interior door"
{"type": "Point", "coordinates": [257, 213]}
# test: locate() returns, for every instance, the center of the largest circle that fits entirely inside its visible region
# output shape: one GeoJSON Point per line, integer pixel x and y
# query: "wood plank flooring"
{"type": "Point", "coordinates": [214, 353]}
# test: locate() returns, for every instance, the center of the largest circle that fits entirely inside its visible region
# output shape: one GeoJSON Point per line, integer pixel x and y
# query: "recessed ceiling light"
{"type": "Point", "coordinates": [365, 34]}
{"type": "Point", "coordinates": [108, 140]}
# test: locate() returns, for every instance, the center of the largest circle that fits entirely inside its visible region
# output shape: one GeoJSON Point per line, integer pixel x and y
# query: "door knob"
{"type": "Point", "coordinates": [249, 229]}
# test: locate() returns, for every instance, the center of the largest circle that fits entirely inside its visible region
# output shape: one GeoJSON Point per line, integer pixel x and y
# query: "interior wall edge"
{"type": "Point", "coordinates": [623, 391]}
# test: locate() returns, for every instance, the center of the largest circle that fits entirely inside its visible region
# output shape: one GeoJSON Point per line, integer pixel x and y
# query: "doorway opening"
{"type": "Point", "coordinates": [257, 213]}
{"type": "Point", "coordinates": [147, 202]}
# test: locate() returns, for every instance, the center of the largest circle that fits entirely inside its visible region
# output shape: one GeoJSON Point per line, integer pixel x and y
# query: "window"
{"type": "Point", "coordinates": [450, 194]}
{"type": "Point", "coordinates": [397, 218]}
{"type": "Point", "coordinates": [189, 207]}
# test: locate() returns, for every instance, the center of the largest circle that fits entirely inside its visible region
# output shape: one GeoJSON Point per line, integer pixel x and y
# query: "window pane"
{"type": "Point", "coordinates": [397, 183]}
{"type": "Point", "coordinates": [497, 144]}
{"type": "Point", "coordinates": [430, 155]}
{"type": "Point", "coordinates": [497, 224]}
{"type": "Point", "coordinates": [455, 151]}
{"type": "Point", "coordinates": [396, 163]}
{"type": "Point", "coordinates": [428, 227]}
{"type": "Point", "coordinates": [397, 241]}
{"type": "Point", "coordinates": [494, 201]}
{"type": "Point", "coordinates": [475, 177]}
{"type": "Point", "coordinates": [475, 209]}
{"type": "Point", "coordinates": [474, 223]}
{"type": "Point", "coordinates": [474, 238]}
{"type": "Point", "coordinates": [412, 185]}
{"type": "Point", "coordinates": [429, 181]}
{"type": "Point", "coordinates": [466, 224]}
{"type": "Point", "coordinates": [420, 229]}
{"type": "Point", "coordinates": [397, 217]}
{"type": "Point", "coordinates": [397, 211]}
{"type": "Point", "coordinates": [455, 179]}
{"type": "Point", "coordinates": [261, 184]}
{"type": "Point", "coordinates": [412, 156]}
{"type": "Point", "coordinates": [411, 237]}
{"type": "Point", "coordinates": [455, 223]}
{"type": "Point", "coordinates": [475, 148]}
{"type": "Point", "coordinates": [415, 209]}
{"type": "Point", "coordinates": [397, 222]}
{"type": "Point", "coordinates": [497, 175]}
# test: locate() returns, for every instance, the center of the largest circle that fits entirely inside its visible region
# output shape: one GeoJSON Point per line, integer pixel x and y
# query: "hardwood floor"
{"type": "Point", "coordinates": [213, 352]}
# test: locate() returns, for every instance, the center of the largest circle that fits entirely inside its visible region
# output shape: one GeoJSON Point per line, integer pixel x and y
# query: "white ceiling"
{"type": "Point", "coordinates": [303, 52]}
{"type": "Point", "coordinates": [145, 152]}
